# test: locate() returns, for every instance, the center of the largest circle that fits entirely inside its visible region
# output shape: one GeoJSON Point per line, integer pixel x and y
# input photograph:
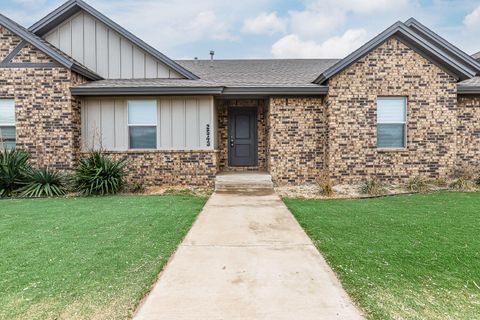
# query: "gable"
{"type": "Point", "coordinates": [430, 49]}
{"type": "Point", "coordinates": [104, 46]}
{"type": "Point", "coordinates": [30, 54]}
{"type": "Point", "coordinates": [8, 42]}
{"type": "Point", "coordinates": [105, 51]}
{"type": "Point", "coordinates": [395, 67]}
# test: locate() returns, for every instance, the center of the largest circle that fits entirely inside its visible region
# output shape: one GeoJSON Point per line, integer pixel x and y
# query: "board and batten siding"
{"type": "Point", "coordinates": [105, 51]}
{"type": "Point", "coordinates": [182, 123]}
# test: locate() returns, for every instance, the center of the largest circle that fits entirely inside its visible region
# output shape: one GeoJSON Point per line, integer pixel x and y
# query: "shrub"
{"type": "Point", "coordinates": [462, 184]}
{"type": "Point", "coordinates": [13, 168]}
{"type": "Point", "coordinates": [326, 188]}
{"type": "Point", "coordinates": [372, 186]}
{"type": "Point", "coordinates": [99, 175]}
{"type": "Point", "coordinates": [442, 183]}
{"type": "Point", "coordinates": [44, 183]}
{"type": "Point", "coordinates": [135, 187]}
{"type": "Point", "coordinates": [478, 181]}
{"type": "Point", "coordinates": [417, 184]}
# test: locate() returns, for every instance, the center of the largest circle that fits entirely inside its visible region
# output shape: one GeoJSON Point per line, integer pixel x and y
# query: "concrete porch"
{"type": "Point", "coordinates": [244, 182]}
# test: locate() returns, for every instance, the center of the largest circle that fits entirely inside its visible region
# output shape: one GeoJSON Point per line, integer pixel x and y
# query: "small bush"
{"type": "Point", "coordinates": [326, 188]}
{"type": "Point", "coordinates": [135, 187]}
{"type": "Point", "coordinates": [13, 168]}
{"type": "Point", "coordinates": [478, 181]}
{"type": "Point", "coordinates": [462, 184]}
{"type": "Point", "coordinates": [372, 186]}
{"type": "Point", "coordinates": [417, 184]}
{"type": "Point", "coordinates": [44, 183]}
{"type": "Point", "coordinates": [442, 183]}
{"type": "Point", "coordinates": [99, 175]}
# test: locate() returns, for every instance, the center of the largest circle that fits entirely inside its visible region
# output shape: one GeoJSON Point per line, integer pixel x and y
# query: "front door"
{"type": "Point", "coordinates": [242, 136]}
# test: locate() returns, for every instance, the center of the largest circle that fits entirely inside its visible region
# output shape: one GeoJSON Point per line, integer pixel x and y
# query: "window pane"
{"type": "Point", "coordinates": [142, 112]}
{"type": "Point", "coordinates": [391, 135]}
{"type": "Point", "coordinates": [143, 137]}
{"type": "Point", "coordinates": [7, 137]}
{"type": "Point", "coordinates": [391, 109]}
{"type": "Point", "coordinates": [7, 112]}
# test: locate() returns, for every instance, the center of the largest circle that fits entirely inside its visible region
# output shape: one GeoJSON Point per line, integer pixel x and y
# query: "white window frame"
{"type": "Point", "coordinates": [9, 125]}
{"type": "Point", "coordinates": [142, 125]}
{"type": "Point", "coordinates": [404, 123]}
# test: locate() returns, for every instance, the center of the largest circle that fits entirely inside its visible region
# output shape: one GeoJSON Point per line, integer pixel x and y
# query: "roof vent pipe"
{"type": "Point", "coordinates": [212, 53]}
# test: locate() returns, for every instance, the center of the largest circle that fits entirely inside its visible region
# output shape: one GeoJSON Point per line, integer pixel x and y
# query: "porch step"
{"type": "Point", "coordinates": [244, 182]}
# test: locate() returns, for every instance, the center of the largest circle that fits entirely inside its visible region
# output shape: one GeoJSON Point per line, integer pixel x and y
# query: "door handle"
{"type": "Point", "coordinates": [232, 142]}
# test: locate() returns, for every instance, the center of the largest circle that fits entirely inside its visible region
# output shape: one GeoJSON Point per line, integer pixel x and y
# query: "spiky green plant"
{"type": "Point", "coordinates": [97, 174]}
{"type": "Point", "coordinates": [44, 182]}
{"type": "Point", "coordinates": [13, 168]}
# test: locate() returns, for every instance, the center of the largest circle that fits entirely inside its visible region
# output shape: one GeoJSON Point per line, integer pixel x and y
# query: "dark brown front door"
{"type": "Point", "coordinates": [242, 136]}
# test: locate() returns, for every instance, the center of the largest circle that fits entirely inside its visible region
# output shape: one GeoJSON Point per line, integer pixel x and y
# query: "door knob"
{"type": "Point", "coordinates": [232, 142]}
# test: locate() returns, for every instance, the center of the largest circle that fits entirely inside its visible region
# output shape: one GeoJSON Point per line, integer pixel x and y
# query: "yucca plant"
{"type": "Point", "coordinates": [13, 168]}
{"type": "Point", "coordinates": [44, 182]}
{"type": "Point", "coordinates": [99, 175]}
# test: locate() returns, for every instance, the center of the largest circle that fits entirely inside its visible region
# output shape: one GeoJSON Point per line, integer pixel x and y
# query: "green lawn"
{"type": "Point", "coordinates": [86, 258]}
{"type": "Point", "coordinates": [402, 257]}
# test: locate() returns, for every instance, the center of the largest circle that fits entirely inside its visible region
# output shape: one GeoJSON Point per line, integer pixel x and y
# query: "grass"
{"type": "Point", "coordinates": [86, 258]}
{"type": "Point", "coordinates": [403, 257]}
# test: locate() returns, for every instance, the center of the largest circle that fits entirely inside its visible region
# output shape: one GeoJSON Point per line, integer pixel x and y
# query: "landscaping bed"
{"type": "Point", "coordinates": [402, 257]}
{"type": "Point", "coordinates": [86, 258]}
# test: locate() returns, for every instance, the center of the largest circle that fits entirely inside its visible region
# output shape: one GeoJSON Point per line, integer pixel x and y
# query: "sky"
{"type": "Point", "coordinates": [258, 29]}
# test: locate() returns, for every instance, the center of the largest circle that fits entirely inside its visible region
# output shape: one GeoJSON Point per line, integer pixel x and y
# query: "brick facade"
{"type": "Point", "coordinates": [300, 140]}
{"type": "Point", "coordinates": [297, 137]}
{"type": "Point", "coordinates": [468, 132]}
{"type": "Point", "coordinates": [392, 69]}
{"type": "Point", "coordinates": [222, 135]}
{"type": "Point", "coordinates": [160, 167]}
{"type": "Point", "coordinates": [47, 116]}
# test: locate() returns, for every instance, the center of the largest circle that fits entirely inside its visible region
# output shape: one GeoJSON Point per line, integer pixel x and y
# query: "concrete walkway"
{"type": "Point", "coordinates": [246, 257]}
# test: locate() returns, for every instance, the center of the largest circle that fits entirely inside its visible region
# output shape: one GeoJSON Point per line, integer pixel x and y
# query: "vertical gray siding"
{"type": "Point", "coordinates": [104, 51]}
{"type": "Point", "coordinates": [183, 123]}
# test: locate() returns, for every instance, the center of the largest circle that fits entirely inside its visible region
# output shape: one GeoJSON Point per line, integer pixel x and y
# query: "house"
{"type": "Point", "coordinates": [406, 103]}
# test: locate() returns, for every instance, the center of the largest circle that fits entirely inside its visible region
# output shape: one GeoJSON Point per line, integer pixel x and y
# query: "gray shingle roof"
{"type": "Point", "coordinates": [471, 86]}
{"type": "Point", "coordinates": [259, 73]}
{"type": "Point", "coordinates": [242, 77]}
{"type": "Point", "coordinates": [476, 56]}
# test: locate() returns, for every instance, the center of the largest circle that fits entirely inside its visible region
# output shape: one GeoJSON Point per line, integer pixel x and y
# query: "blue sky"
{"type": "Point", "coordinates": [270, 28]}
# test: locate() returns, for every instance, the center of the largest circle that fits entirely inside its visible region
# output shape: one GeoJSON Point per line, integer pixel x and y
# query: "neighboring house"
{"type": "Point", "coordinates": [406, 103]}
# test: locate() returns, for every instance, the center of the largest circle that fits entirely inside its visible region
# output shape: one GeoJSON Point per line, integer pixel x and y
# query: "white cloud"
{"type": "Point", "coordinates": [265, 24]}
{"type": "Point", "coordinates": [30, 3]}
{"type": "Point", "coordinates": [292, 46]}
{"type": "Point", "coordinates": [472, 20]}
{"type": "Point", "coordinates": [312, 23]}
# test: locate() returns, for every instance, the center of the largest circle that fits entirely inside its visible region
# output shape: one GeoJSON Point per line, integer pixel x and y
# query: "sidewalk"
{"type": "Point", "coordinates": [246, 257]}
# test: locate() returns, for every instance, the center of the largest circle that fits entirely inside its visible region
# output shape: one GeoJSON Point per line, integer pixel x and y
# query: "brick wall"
{"type": "Point", "coordinates": [222, 111]}
{"type": "Point", "coordinates": [47, 116]}
{"type": "Point", "coordinates": [8, 42]}
{"type": "Point", "coordinates": [297, 136]}
{"type": "Point", "coordinates": [392, 69]}
{"type": "Point", "coordinates": [468, 132]}
{"type": "Point", "coordinates": [160, 167]}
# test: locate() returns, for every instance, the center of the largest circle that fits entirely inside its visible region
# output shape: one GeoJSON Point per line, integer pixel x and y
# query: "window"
{"type": "Point", "coordinates": [391, 122]}
{"type": "Point", "coordinates": [7, 124]}
{"type": "Point", "coordinates": [142, 124]}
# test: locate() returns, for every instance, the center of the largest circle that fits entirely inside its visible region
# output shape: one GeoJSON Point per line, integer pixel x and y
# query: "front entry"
{"type": "Point", "coordinates": [242, 136]}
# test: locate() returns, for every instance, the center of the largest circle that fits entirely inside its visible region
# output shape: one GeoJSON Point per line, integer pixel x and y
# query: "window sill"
{"type": "Point", "coordinates": [392, 149]}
